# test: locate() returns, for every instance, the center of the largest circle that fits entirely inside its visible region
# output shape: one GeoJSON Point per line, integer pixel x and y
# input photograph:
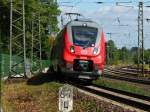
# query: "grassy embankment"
{"type": "Point", "coordinates": [21, 97]}
{"type": "Point", "coordinates": [133, 88]}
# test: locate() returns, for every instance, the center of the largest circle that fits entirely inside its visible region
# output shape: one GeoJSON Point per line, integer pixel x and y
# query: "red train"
{"type": "Point", "coordinates": [79, 49]}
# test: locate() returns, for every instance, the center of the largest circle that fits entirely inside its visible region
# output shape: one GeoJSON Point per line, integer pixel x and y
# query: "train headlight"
{"type": "Point", "coordinates": [72, 49]}
{"type": "Point", "coordinates": [95, 51]}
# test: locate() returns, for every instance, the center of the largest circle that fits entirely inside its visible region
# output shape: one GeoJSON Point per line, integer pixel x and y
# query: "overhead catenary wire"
{"type": "Point", "coordinates": [131, 4]}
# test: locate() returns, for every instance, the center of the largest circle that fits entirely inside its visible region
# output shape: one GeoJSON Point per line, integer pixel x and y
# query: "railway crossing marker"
{"type": "Point", "coordinates": [66, 98]}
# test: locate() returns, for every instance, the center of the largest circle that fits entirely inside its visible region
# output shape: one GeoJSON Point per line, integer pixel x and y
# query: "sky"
{"type": "Point", "coordinates": [120, 20]}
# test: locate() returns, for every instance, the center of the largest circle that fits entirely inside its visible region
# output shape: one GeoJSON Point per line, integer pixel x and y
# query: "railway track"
{"type": "Point", "coordinates": [129, 70]}
{"type": "Point", "coordinates": [134, 69]}
{"type": "Point", "coordinates": [125, 75]}
{"type": "Point", "coordinates": [133, 100]}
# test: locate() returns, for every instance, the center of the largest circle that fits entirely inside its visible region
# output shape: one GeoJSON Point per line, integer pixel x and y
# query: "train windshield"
{"type": "Point", "coordinates": [84, 36]}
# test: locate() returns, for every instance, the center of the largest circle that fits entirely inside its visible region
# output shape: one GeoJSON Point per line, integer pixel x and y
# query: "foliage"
{"type": "Point", "coordinates": [147, 56]}
{"type": "Point", "coordinates": [29, 98]}
{"type": "Point", "coordinates": [4, 70]}
{"type": "Point", "coordinates": [48, 12]}
{"type": "Point", "coordinates": [4, 25]}
{"type": "Point", "coordinates": [44, 98]}
{"type": "Point", "coordinates": [124, 55]}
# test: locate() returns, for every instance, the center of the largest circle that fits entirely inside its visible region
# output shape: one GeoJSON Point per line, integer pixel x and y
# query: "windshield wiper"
{"type": "Point", "coordinates": [87, 45]}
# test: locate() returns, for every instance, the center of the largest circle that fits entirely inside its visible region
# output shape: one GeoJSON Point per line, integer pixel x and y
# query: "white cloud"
{"type": "Point", "coordinates": [107, 16]}
{"type": "Point", "coordinates": [65, 9]}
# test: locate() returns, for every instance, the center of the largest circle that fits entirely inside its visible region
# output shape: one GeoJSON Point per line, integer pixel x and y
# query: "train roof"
{"type": "Point", "coordinates": [82, 22]}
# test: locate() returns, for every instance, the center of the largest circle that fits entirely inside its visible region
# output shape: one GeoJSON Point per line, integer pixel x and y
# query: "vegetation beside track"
{"type": "Point", "coordinates": [120, 85]}
{"type": "Point", "coordinates": [21, 97]}
{"type": "Point", "coordinates": [42, 98]}
{"type": "Point", "coordinates": [4, 60]}
{"type": "Point", "coordinates": [124, 56]}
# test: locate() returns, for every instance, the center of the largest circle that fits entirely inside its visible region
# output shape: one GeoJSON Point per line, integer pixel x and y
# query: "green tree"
{"type": "Point", "coordinates": [147, 56]}
{"type": "Point", "coordinates": [133, 54]}
{"type": "Point", "coordinates": [48, 11]}
{"type": "Point", "coordinates": [4, 26]}
{"type": "Point", "coordinates": [112, 54]}
{"type": "Point", "coordinates": [124, 54]}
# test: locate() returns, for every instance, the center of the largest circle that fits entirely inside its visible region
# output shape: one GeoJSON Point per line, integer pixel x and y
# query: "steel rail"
{"type": "Point", "coordinates": [134, 80]}
{"type": "Point", "coordinates": [134, 70]}
{"type": "Point", "coordinates": [130, 99]}
{"type": "Point", "coordinates": [114, 75]}
{"type": "Point", "coordinates": [121, 71]}
{"type": "Point", "coordinates": [130, 71]}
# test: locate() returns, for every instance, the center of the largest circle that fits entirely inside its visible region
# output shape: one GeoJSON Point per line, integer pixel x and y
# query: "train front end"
{"type": "Point", "coordinates": [84, 50]}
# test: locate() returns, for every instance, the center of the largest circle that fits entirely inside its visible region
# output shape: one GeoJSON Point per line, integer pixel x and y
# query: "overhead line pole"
{"type": "Point", "coordinates": [36, 47]}
{"type": "Point", "coordinates": [24, 40]}
{"type": "Point", "coordinates": [39, 35]}
{"type": "Point", "coordinates": [17, 44]}
{"type": "Point", "coordinates": [110, 48]}
{"type": "Point", "coordinates": [32, 35]}
{"type": "Point", "coordinates": [140, 38]}
{"type": "Point", "coordinates": [10, 39]}
{"type": "Point", "coordinates": [40, 42]}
